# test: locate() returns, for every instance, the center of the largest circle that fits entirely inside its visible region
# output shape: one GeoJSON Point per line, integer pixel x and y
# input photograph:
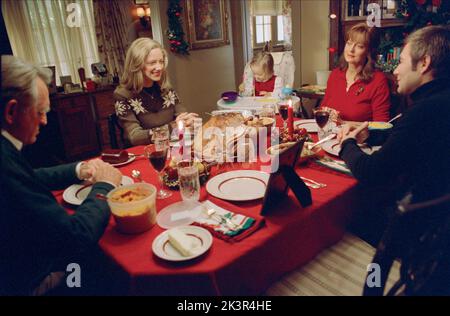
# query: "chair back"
{"type": "Point", "coordinates": [113, 127]}
{"type": "Point", "coordinates": [419, 236]}
{"type": "Point", "coordinates": [284, 67]}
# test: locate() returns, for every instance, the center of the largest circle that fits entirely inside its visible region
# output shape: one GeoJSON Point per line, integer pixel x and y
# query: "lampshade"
{"type": "Point", "coordinates": [140, 12]}
{"type": "Point", "coordinates": [147, 12]}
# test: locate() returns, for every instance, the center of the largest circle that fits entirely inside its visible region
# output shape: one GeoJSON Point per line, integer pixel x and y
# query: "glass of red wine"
{"type": "Point", "coordinates": [157, 155]}
{"type": "Point", "coordinates": [322, 116]}
{"type": "Point", "coordinates": [283, 110]}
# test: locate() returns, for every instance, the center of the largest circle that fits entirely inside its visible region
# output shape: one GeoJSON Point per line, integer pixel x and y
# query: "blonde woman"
{"type": "Point", "coordinates": [145, 98]}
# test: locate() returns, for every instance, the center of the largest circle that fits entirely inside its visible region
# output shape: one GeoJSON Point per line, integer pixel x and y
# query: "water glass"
{"type": "Point", "coordinates": [268, 110]}
{"type": "Point", "coordinates": [189, 181]}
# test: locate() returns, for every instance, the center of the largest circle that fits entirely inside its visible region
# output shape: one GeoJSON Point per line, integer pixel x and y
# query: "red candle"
{"type": "Point", "coordinates": [181, 136]}
{"type": "Point", "coordinates": [290, 120]}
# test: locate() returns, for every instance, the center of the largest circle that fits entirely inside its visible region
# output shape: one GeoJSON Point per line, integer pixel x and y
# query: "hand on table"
{"type": "Point", "coordinates": [187, 118]}
{"type": "Point", "coordinates": [358, 131]}
{"type": "Point", "coordinates": [101, 171]}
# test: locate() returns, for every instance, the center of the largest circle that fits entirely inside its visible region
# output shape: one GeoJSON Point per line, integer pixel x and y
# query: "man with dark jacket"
{"type": "Point", "coordinates": [417, 150]}
{"type": "Point", "coordinates": [418, 147]}
{"type": "Point", "coordinates": [38, 239]}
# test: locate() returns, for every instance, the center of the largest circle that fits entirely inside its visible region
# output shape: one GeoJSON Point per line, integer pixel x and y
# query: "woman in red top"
{"type": "Point", "coordinates": [356, 89]}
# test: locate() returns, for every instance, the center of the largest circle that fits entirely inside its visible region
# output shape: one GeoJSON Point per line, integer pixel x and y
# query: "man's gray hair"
{"type": "Point", "coordinates": [19, 80]}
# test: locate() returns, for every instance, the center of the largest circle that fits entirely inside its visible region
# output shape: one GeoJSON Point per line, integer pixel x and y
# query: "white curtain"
{"type": "Point", "coordinates": [40, 33]}
{"type": "Point", "coordinates": [267, 7]}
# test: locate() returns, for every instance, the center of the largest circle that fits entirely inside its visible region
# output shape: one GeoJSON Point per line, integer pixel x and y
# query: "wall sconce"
{"type": "Point", "coordinates": [144, 16]}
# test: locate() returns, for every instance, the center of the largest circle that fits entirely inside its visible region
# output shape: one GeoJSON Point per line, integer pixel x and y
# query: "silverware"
{"type": "Point", "coordinates": [394, 118]}
{"type": "Point", "coordinates": [136, 155]}
{"type": "Point", "coordinates": [329, 137]}
{"type": "Point", "coordinates": [222, 219]}
{"type": "Point", "coordinates": [320, 185]}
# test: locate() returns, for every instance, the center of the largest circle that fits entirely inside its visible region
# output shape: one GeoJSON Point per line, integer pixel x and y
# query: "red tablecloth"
{"type": "Point", "coordinates": [291, 237]}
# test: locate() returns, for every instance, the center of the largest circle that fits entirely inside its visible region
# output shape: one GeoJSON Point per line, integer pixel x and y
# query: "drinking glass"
{"type": "Point", "coordinates": [267, 110]}
{"type": "Point", "coordinates": [188, 181]}
{"type": "Point", "coordinates": [322, 116]}
{"type": "Point", "coordinates": [283, 110]}
{"type": "Point", "coordinates": [157, 155]}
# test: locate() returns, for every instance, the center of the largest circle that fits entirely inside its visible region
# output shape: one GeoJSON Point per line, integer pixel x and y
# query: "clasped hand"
{"type": "Point", "coordinates": [355, 130]}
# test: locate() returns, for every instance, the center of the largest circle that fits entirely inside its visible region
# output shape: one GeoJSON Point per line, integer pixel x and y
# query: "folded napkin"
{"type": "Point", "coordinates": [226, 225]}
{"type": "Point", "coordinates": [337, 165]}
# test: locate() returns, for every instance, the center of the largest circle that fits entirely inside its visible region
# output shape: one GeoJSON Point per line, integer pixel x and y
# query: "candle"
{"type": "Point", "coordinates": [290, 120]}
{"type": "Point", "coordinates": [181, 135]}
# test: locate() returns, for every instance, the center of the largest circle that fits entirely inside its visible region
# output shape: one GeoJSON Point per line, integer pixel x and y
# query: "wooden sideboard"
{"type": "Point", "coordinates": [77, 128]}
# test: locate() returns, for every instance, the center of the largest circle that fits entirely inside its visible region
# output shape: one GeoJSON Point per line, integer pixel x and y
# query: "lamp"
{"type": "Point", "coordinates": [144, 16]}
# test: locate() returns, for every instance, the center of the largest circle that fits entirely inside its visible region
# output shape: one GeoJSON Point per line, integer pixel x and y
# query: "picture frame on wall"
{"type": "Point", "coordinates": [207, 23]}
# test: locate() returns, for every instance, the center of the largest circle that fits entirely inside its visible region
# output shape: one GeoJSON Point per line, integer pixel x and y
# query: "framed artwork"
{"type": "Point", "coordinates": [207, 23]}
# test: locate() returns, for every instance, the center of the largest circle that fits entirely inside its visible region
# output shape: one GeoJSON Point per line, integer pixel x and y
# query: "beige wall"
{"type": "Point", "coordinates": [202, 76]}
{"type": "Point", "coordinates": [315, 32]}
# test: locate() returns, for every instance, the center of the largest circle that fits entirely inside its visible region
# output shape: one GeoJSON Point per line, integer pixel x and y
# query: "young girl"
{"type": "Point", "coordinates": [261, 81]}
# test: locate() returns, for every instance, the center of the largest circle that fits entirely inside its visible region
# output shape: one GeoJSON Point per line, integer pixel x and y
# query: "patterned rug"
{"type": "Point", "coordinates": [337, 271]}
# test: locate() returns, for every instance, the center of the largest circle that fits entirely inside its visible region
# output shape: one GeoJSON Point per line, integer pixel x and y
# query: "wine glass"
{"type": "Point", "coordinates": [322, 116]}
{"type": "Point", "coordinates": [283, 110]}
{"type": "Point", "coordinates": [157, 155]}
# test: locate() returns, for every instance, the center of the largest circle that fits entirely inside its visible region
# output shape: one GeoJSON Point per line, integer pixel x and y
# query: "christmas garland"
{"type": "Point", "coordinates": [420, 13]}
{"type": "Point", "coordinates": [175, 32]}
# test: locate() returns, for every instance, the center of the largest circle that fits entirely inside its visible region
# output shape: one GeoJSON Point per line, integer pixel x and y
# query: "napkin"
{"type": "Point", "coordinates": [218, 226]}
{"type": "Point", "coordinates": [337, 165]}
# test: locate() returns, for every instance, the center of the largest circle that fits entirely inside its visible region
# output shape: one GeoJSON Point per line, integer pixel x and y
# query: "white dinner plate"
{"type": "Point", "coordinates": [130, 159]}
{"type": "Point", "coordinates": [310, 125]}
{"type": "Point", "coordinates": [245, 113]}
{"type": "Point", "coordinates": [201, 237]}
{"type": "Point", "coordinates": [238, 185]}
{"type": "Point", "coordinates": [77, 193]}
{"type": "Point", "coordinates": [333, 147]}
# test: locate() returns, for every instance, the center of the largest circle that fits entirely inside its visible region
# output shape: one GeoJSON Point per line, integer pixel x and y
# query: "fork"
{"type": "Point", "coordinates": [318, 184]}
{"type": "Point", "coordinates": [222, 219]}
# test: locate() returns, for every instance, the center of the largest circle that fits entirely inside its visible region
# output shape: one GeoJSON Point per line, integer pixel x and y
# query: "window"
{"type": "Point", "coordinates": [39, 32]}
{"type": "Point", "coordinates": [264, 27]}
{"type": "Point", "coordinates": [269, 19]}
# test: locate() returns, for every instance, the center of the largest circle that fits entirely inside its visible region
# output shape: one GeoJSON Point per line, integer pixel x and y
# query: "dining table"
{"type": "Point", "coordinates": [290, 236]}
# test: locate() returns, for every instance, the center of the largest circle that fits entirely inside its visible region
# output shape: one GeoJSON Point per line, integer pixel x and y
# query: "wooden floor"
{"type": "Point", "coordinates": [337, 271]}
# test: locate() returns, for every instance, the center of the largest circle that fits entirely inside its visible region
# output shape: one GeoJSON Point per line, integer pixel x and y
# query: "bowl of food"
{"type": "Point", "coordinates": [279, 148]}
{"type": "Point", "coordinates": [133, 207]}
{"type": "Point", "coordinates": [229, 96]}
{"type": "Point", "coordinates": [308, 152]}
{"type": "Point", "coordinates": [378, 133]}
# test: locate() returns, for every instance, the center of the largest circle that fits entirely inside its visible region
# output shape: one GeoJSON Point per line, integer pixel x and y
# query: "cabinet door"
{"type": "Point", "coordinates": [77, 126]}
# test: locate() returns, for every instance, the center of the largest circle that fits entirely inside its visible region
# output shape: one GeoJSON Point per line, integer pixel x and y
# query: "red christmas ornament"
{"type": "Point", "coordinates": [172, 49]}
{"type": "Point", "coordinates": [436, 3]}
{"type": "Point", "coordinates": [177, 14]}
{"type": "Point", "coordinates": [332, 50]}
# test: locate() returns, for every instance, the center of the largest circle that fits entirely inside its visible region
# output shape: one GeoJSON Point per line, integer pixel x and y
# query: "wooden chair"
{"type": "Point", "coordinates": [113, 126]}
{"type": "Point", "coordinates": [413, 258]}
{"type": "Point", "coordinates": [419, 236]}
